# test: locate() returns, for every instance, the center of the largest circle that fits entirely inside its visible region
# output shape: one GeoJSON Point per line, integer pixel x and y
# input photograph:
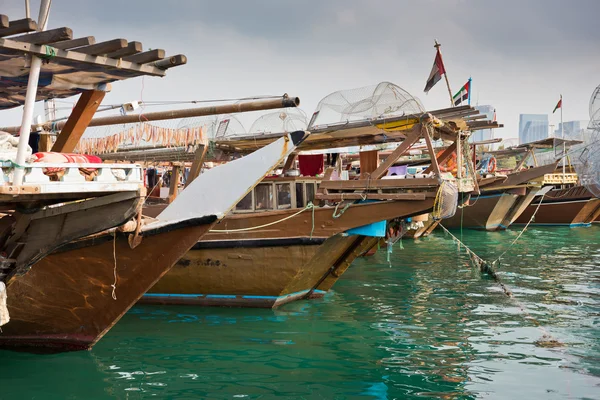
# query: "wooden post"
{"type": "Point", "coordinates": [523, 161]}
{"type": "Point", "coordinates": [78, 121]}
{"type": "Point", "coordinates": [174, 183]}
{"type": "Point", "coordinates": [459, 157]}
{"type": "Point", "coordinates": [411, 139]}
{"type": "Point", "coordinates": [196, 164]}
{"type": "Point", "coordinates": [326, 177]}
{"type": "Point", "coordinates": [437, 46]}
{"type": "Point", "coordinates": [45, 143]}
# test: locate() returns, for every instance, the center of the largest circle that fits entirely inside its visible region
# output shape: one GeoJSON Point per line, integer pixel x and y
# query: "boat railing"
{"type": "Point", "coordinates": [74, 178]}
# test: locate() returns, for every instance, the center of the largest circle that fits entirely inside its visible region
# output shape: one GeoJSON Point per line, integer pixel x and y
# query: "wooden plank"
{"type": "Point", "coordinates": [19, 26]}
{"type": "Point", "coordinates": [374, 196]}
{"type": "Point", "coordinates": [326, 178]}
{"type": "Point", "coordinates": [379, 184]}
{"type": "Point", "coordinates": [146, 56]}
{"type": "Point", "coordinates": [103, 47]}
{"type": "Point", "coordinates": [132, 48]}
{"type": "Point", "coordinates": [443, 157]}
{"type": "Point", "coordinates": [77, 57]}
{"type": "Point", "coordinates": [434, 163]}
{"type": "Point", "coordinates": [49, 36]}
{"type": "Point", "coordinates": [74, 43]}
{"type": "Point", "coordinates": [411, 139]}
{"type": "Point", "coordinates": [78, 121]}
{"type": "Point", "coordinates": [368, 162]}
{"type": "Point", "coordinates": [3, 21]}
{"type": "Point", "coordinates": [196, 164]}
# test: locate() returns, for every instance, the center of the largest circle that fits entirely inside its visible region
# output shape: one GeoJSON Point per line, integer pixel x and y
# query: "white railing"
{"type": "Point", "coordinates": [107, 178]}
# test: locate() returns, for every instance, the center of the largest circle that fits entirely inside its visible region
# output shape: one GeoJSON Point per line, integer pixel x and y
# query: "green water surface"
{"type": "Point", "coordinates": [428, 326]}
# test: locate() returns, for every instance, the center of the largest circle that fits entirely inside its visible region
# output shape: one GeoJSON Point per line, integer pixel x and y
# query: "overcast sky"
{"type": "Point", "coordinates": [521, 54]}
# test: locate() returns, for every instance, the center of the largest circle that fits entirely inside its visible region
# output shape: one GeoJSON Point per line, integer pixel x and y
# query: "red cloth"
{"type": "Point", "coordinates": [70, 158]}
{"type": "Point", "coordinates": [311, 165]}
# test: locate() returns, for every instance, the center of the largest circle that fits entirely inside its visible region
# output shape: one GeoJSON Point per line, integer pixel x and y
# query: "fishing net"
{"type": "Point", "coordinates": [288, 120]}
{"type": "Point", "coordinates": [446, 201]}
{"type": "Point", "coordinates": [586, 157]}
{"type": "Point", "coordinates": [369, 102]}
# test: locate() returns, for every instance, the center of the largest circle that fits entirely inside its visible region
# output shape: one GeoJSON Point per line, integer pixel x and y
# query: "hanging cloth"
{"type": "Point", "coordinates": [311, 165]}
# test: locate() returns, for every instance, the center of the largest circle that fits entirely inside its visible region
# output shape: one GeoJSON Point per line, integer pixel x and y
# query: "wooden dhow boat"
{"type": "Point", "coordinates": [272, 250]}
{"type": "Point", "coordinates": [67, 274]}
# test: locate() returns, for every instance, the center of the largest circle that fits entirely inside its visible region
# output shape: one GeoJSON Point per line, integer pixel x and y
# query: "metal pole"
{"type": "Point", "coordinates": [27, 10]}
{"type": "Point", "coordinates": [470, 89]}
{"type": "Point", "coordinates": [32, 85]}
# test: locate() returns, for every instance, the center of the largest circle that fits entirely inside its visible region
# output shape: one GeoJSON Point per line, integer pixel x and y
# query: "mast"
{"type": "Point", "coordinates": [562, 135]}
{"type": "Point", "coordinates": [437, 46]}
{"type": "Point", "coordinates": [32, 86]}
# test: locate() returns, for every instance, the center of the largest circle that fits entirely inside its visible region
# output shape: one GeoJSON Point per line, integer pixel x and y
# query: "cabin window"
{"type": "Point", "coordinates": [264, 196]}
{"type": "Point", "coordinates": [245, 204]}
{"type": "Point", "coordinates": [299, 195]}
{"type": "Point", "coordinates": [310, 192]}
{"type": "Point", "coordinates": [284, 196]}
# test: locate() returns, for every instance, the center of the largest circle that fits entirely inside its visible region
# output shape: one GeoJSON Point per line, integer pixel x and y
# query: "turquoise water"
{"type": "Point", "coordinates": [428, 326]}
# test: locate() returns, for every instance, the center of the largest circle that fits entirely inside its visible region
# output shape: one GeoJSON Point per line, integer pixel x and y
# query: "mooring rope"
{"type": "Point", "coordinates": [114, 285]}
{"type": "Point", "coordinates": [309, 206]}
{"type": "Point", "coordinates": [485, 267]}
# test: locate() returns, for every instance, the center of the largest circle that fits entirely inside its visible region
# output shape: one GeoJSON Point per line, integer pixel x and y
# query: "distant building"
{"type": "Point", "coordinates": [533, 127]}
{"type": "Point", "coordinates": [484, 134]}
{"type": "Point", "coordinates": [572, 129]}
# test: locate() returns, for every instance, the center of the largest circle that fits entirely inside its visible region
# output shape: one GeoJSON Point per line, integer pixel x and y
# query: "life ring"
{"type": "Point", "coordinates": [448, 165]}
{"type": "Point", "coordinates": [491, 167]}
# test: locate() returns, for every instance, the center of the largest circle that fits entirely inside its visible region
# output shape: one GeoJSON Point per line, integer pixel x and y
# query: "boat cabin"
{"type": "Point", "coordinates": [279, 193]}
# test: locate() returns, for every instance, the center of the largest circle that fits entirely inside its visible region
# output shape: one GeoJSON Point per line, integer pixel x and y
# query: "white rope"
{"type": "Point", "coordinates": [310, 205]}
{"type": "Point", "coordinates": [114, 285]}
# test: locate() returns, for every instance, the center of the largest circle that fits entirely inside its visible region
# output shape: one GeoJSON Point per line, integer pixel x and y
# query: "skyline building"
{"type": "Point", "coordinates": [533, 127]}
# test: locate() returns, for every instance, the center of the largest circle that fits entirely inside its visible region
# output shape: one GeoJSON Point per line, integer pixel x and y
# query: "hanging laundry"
{"type": "Point", "coordinates": [311, 164]}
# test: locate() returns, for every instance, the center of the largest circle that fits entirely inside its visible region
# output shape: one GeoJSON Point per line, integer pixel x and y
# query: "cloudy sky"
{"type": "Point", "coordinates": [521, 54]}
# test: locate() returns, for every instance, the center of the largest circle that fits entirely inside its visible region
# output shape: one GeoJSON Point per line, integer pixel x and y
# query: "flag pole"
{"type": "Point", "coordinates": [562, 135]}
{"type": "Point", "coordinates": [437, 46]}
{"type": "Point", "coordinates": [470, 89]}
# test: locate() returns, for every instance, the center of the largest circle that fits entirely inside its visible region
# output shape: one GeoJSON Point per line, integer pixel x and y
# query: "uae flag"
{"type": "Point", "coordinates": [558, 105]}
{"type": "Point", "coordinates": [462, 95]}
{"type": "Point", "coordinates": [436, 72]}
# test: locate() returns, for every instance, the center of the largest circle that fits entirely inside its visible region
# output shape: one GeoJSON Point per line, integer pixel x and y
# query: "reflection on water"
{"type": "Point", "coordinates": [429, 326]}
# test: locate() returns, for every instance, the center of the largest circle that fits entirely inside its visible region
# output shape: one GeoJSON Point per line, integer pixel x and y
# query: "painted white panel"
{"type": "Point", "coordinates": [218, 190]}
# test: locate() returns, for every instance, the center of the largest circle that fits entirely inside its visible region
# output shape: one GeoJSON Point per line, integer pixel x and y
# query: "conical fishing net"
{"type": "Point", "coordinates": [586, 157]}
{"type": "Point", "coordinates": [287, 120]}
{"type": "Point", "coordinates": [369, 102]}
{"type": "Point", "coordinates": [446, 201]}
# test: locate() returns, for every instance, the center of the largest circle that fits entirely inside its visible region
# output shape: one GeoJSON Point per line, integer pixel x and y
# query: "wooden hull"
{"type": "Point", "coordinates": [65, 302]}
{"type": "Point", "coordinates": [491, 212]}
{"type": "Point", "coordinates": [571, 207]}
{"type": "Point", "coordinates": [276, 264]}
{"type": "Point", "coordinates": [257, 273]}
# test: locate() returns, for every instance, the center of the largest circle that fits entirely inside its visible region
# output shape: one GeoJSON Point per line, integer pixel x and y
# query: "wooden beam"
{"type": "Point", "coordinates": [379, 184]}
{"type": "Point", "coordinates": [3, 21]}
{"type": "Point", "coordinates": [49, 36]}
{"type": "Point", "coordinates": [132, 48]}
{"type": "Point", "coordinates": [77, 57]}
{"type": "Point", "coordinates": [443, 157]}
{"type": "Point", "coordinates": [196, 164]}
{"type": "Point", "coordinates": [173, 61]}
{"type": "Point", "coordinates": [146, 56]}
{"type": "Point", "coordinates": [374, 196]}
{"type": "Point", "coordinates": [19, 26]}
{"type": "Point", "coordinates": [103, 47]}
{"type": "Point", "coordinates": [289, 162]}
{"type": "Point", "coordinates": [411, 139]}
{"type": "Point", "coordinates": [434, 163]}
{"type": "Point", "coordinates": [74, 43]}
{"type": "Point", "coordinates": [323, 191]}
{"type": "Point", "coordinates": [174, 183]}
{"type": "Point", "coordinates": [369, 161]}
{"type": "Point", "coordinates": [523, 161]}
{"type": "Point", "coordinates": [78, 121]}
